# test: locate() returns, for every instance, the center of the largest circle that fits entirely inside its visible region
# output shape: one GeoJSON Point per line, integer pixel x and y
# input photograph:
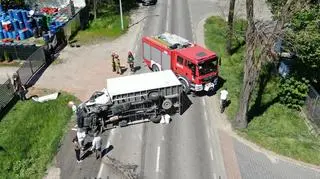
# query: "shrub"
{"type": "Point", "coordinates": [293, 92]}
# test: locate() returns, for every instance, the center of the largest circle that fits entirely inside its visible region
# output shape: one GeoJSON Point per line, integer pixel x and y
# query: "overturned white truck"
{"type": "Point", "coordinates": [131, 99]}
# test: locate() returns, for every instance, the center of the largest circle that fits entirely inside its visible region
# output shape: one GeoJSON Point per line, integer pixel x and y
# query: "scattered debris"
{"type": "Point", "coordinates": [46, 98]}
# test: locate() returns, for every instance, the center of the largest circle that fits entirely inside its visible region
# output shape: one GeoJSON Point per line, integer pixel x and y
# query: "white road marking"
{"type": "Point", "coordinates": [162, 138]}
{"type": "Point", "coordinates": [167, 19]}
{"type": "Point", "coordinates": [158, 159]}
{"type": "Point", "coordinates": [208, 133]}
{"type": "Point", "coordinates": [211, 153]}
{"type": "Point", "coordinates": [214, 176]}
{"type": "Point", "coordinates": [205, 115]}
{"type": "Point", "coordinates": [108, 144]}
{"type": "Point", "coordinates": [203, 101]}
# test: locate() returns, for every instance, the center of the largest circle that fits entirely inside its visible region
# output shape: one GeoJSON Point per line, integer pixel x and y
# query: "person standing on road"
{"type": "Point", "coordinates": [96, 145]}
{"type": "Point", "coordinates": [118, 65]}
{"type": "Point", "coordinates": [81, 135]}
{"type": "Point", "coordinates": [76, 149]}
{"type": "Point", "coordinates": [113, 62]}
{"type": "Point", "coordinates": [19, 89]}
{"type": "Point", "coordinates": [223, 99]}
{"type": "Point", "coordinates": [131, 60]}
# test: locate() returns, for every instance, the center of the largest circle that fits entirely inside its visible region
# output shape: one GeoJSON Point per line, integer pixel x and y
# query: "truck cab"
{"type": "Point", "coordinates": [196, 67]}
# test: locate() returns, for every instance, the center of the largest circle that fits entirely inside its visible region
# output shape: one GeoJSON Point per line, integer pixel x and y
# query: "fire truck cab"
{"type": "Point", "coordinates": [196, 67]}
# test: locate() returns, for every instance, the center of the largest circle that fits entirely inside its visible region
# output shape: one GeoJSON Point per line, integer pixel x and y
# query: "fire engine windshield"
{"type": "Point", "coordinates": [208, 66]}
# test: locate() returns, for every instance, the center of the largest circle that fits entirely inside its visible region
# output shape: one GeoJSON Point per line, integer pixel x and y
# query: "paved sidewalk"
{"type": "Point", "coordinates": [85, 70]}
{"type": "Point", "coordinates": [82, 71]}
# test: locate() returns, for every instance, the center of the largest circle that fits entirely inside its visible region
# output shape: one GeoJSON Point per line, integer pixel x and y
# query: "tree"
{"type": "Point", "coordinates": [230, 26]}
{"type": "Point", "coordinates": [259, 41]}
{"type": "Point", "coordinates": [304, 37]}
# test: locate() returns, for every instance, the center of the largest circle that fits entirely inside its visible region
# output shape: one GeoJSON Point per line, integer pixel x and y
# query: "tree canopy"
{"type": "Point", "coordinates": [303, 37]}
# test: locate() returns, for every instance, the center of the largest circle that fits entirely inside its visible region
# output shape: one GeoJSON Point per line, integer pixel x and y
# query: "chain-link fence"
{"type": "Point", "coordinates": [313, 106]}
{"type": "Point", "coordinates": [17, 51]}
{"type": "Point", "coordinates": [6, 94]}
{"type": "Point", "coordinates": [31, 66]}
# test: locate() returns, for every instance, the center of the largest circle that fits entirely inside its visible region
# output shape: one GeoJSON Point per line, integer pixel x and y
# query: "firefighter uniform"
{"type": "Point", "coordinates": [113, 65]}
{"type": "Point", "coordinates": [118, 65]}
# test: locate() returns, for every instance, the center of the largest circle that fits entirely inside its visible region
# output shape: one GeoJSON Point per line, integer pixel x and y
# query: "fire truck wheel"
{"type": "Point", "coordinates": [155, 118]}
{"type": "Point", "coordinates": [167, 104]}
{"type": "Point", "coordinates": [155, 68]}
{"type": "Point", "coordinates": [185, 86]}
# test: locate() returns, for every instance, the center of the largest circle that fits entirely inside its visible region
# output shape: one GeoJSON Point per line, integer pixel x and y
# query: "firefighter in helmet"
{"type": "Point", "coordinates": [118, 68]}
{"type": "Point", "coordinates": [131, 60]}
{"type": "Point", "coordinates": [113, 61]}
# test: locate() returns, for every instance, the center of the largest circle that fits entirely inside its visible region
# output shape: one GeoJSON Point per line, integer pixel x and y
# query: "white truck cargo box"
{"type": "Point", "coordinates": [141, 82]}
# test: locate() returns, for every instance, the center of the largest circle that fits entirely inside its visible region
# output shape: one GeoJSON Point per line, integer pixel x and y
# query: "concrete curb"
{"type": "Point", "coordinates": [270, 154]}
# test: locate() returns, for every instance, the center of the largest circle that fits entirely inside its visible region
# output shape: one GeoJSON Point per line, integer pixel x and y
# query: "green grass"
{"type": "Point", "coordinates": [30, 134]}
{"type": "Point", "coordinates": [283, 131]}
{"type": "Point", "coordinates": [231, 69]}
{"type": "Point", "coordinates": [104, 27]}
{"type": "Point", "coordinates": [273, 125]}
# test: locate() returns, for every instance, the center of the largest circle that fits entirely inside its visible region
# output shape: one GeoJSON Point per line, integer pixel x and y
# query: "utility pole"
{"type": "Point", "coordinates": [121, 15]}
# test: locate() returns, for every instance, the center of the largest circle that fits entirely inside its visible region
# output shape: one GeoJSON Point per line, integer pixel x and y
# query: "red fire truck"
{"type": "Point", "coordinates": [196, 67]}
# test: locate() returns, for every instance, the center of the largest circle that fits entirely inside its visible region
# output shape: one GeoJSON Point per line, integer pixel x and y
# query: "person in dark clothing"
{"type": "Point", "coordinates": [19, 89]}
{"type": "Point", "coordinates": [113, 62]}
{"type": "Point", "coordinates": [77, 148]}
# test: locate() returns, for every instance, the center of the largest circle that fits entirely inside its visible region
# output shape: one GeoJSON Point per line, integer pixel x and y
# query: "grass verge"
{"type": "Point", "coordinates": [103, 28]}
{"type": "Point", "coordinates": [30, 134]}
{"type": "Point", "coordinates": [106, 26]}
{"type": "Point", "coordinates": [231, 68]}
{"type": "Point", "coordinates": [273, 125]}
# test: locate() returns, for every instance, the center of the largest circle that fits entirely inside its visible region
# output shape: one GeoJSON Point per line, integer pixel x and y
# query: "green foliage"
{"type": "Point", "coordinates": [30, 134]}
{"type": "Point", "coordinates": [274, 126]}
{"type": "Point", "coordinates": [232, 66]}
{"type": "Point", "coordinates": [283, 131]}
{"type": "Point", "coordinates": [276, 6]}
{"type": "Point", "coordinates": [292, 92]}
{"type": "Point", "coordinates": [107, 25]}
{"type": "Point", "coordinates": [303, 37]}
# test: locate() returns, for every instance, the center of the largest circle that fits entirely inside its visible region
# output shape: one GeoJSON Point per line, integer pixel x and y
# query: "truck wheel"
{"type": "Point", "coordinates": [155, 118]}
{"type": "Point", "coordinates": [185, 86]}
{"type": "Point", "coordinates": [167, 104]}
{"type": "Point", "coordinates": [153, 96]}
{"type": "Point", "coordinates": [155, 68]}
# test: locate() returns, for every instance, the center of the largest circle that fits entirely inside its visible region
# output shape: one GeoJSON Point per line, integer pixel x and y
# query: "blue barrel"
{"type": "Point", "coordinates": [24, 15]}
{"type": "Point", "coordinates": [16, 25]}
{"type": "Point", "coordinates": [21, 25]}
{"type": "Point", "coordinates": [9, 35]}
{"type": "Point", "coordinates": [19, 15]}
{"type": "Point", "coordinates": [11, 14]}
{"type": "Point", "coordinates": [4, 34]}
{"type": "Point", "coordinates": [22, 34]}
{"type": "Point", "coordinates": [1, 35]}
{"type": "Point", "coordinates": [14, 35]}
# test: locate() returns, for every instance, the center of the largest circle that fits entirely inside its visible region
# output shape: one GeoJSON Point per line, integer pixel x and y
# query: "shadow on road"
{"type": "Point", "coordinates": [107, 150]}
{"type": "Point", "coordinates": [185, 103]}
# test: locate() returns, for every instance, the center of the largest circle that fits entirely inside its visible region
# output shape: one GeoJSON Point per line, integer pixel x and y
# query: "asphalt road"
{"type": "Point", "coordinates": [183, 148]}
{"type": "Point", "coordinates": [190, 146]}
